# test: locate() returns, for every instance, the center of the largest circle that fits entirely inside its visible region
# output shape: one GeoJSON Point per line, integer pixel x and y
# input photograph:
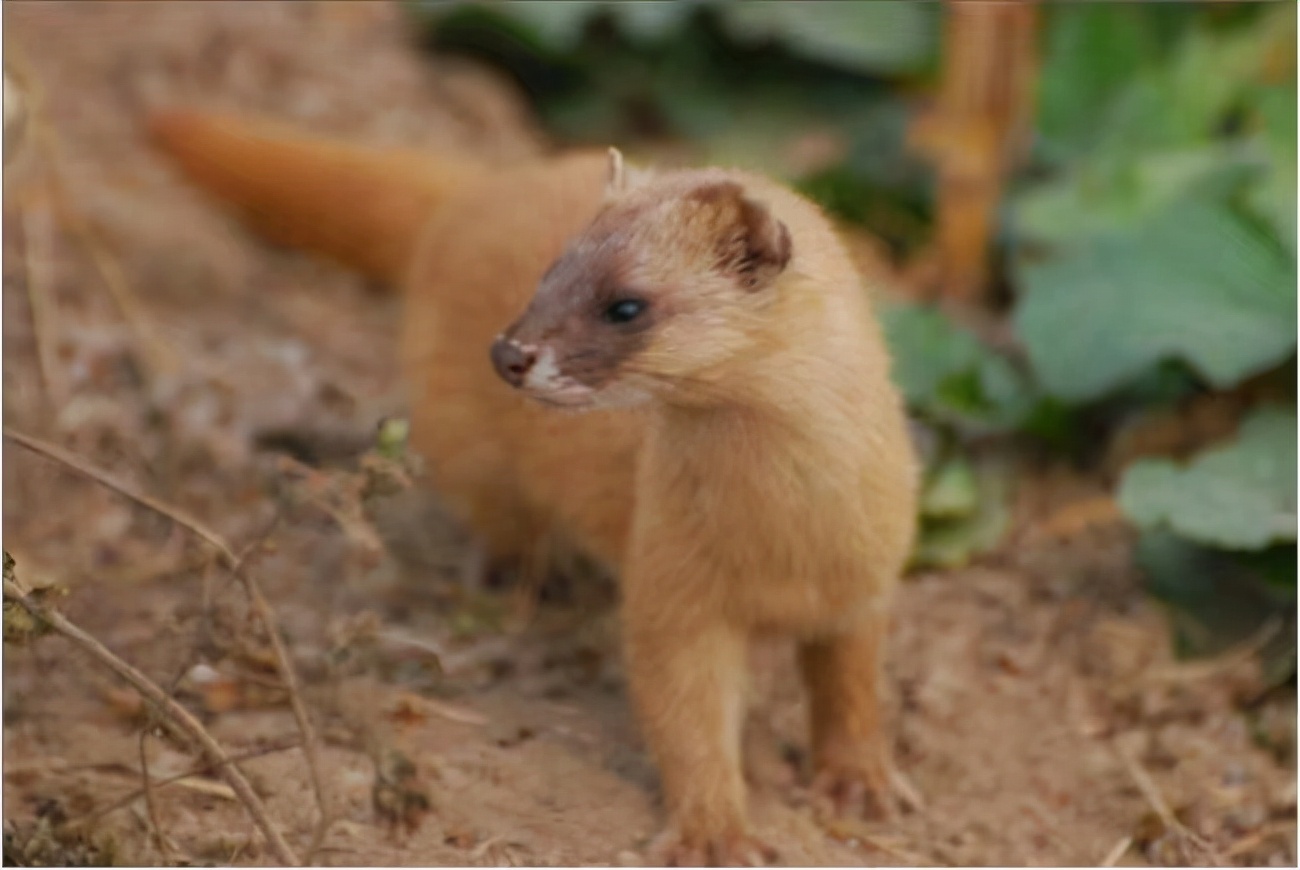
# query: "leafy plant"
{"type": "Point", "coordinates": [1240, 496]}
{"type": "Point", "coordinates": [1169, 238]}
{"type": "Point", "coordinates": [949, 376]}
{"type": "Point", "coordinates": [1164, 234]}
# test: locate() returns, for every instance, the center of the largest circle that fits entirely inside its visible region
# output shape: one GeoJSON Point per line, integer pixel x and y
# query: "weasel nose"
{"type": "Point", "coordinates": [512, 362]}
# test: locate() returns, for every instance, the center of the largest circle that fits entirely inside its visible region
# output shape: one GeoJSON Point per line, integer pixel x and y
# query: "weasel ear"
{"type": "Point", "coordinates": [767, 244]}
{"type": "Point", "coordinates": [753, 245]}
{"type": "Point", "coordinates": [616, 179]}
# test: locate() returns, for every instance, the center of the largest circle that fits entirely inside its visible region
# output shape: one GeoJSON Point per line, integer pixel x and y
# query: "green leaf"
{"type": "Point", "coordinates": [952, 491]}
{"type": "Point", "coordinates": [949, 374]}
{"type": "Point", "coordinates": [882, 37]}
{"type": "Point", "coordinates": [1185, 100]}
{"type": "Point", "coordinates": [1099, 199]}
{"type": "Point", "coordinates": [1092, 50]}
{"type": "Point", "coordinates": [1195, 283]}
{"type": "Point", "coordinates": [1239, 496]}
{"type": "Point", "coordinates": [952, 541]}
{"type": "Point", "coordinates": [1273, 196]}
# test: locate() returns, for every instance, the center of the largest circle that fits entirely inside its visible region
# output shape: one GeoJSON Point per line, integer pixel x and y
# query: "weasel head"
{"type": "Point", "coordinates": [667, 283]}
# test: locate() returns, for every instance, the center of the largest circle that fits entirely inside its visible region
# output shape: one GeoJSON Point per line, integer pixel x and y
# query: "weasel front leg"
{"type": "Point", "coordinates": [850, 747]}
{"type": "Point", "coordinates": [687, 677]}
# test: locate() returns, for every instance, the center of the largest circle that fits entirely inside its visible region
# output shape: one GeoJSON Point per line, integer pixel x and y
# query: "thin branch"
{"type": "Point", "coordinates": [198, 770]}
{"type": "Point", "coordinates": [150, 690]}
{"type": "Point", "coordinates": [159, 356]}
{"type": "Point", "coordinates": [233, 563]}
{"type": "Point", "coordinates": [38, 244]}
{"type": "Point", "coordinates": [1234, 656]}
{"type": "Point", "coordinates": [150, 806]}
{"type": "Point", "coordinates": [1265, 832]}
{"type": "Point", "coordinates": [310, 746]}
{"type": "Point", "coordinates": [1116, 852]}
{"type": "Point", "coordinates": [176, 515]}
{"type": "Point", "coordinates": [1147, 786]}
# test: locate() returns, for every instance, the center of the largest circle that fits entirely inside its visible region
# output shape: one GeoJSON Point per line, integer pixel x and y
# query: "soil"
{"type": "Point", "coordinates": [1038, 710]}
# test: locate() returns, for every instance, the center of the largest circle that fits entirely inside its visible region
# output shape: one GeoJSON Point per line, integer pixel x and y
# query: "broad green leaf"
{"type": "Point", "coordinates": [1273, 195]}
{"type": "Point", "coordinates": [949, 374]}
{"type": "Point", "coordinates": [1098, 199]}
{"type": "Point", "coordinates": [1194, 283]}
{"type": "Point", "coordinates": [1239, 496]}
{"type": "Point", "coordinates": [1185, 100]}
{"type": "Point", "coordinates": [1092, 50]}
{"type": "Point", "coordinates": [884, 36]}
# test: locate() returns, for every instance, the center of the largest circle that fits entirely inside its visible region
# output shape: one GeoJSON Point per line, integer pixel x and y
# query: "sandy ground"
{"type": "Point", "coordinates": [1037, 709]}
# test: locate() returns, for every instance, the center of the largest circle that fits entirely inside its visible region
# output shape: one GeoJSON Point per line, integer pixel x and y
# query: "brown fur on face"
{"type": "Point", "coordinates": [679, 248]}
{"type": "Point", "coordinates": [765, 485]}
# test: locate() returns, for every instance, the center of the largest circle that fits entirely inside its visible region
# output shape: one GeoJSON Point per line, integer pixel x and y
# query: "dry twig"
{"type": "Point", "coordinates": [183, 718]}
{"type": "Point", "coordinates": [290, 678]}
{"type": "Point", "coordinates": [234, 564]}
{"type": "Point", "coordinates": [198, 770]}
{"type": "Point", "coordinates": [1242, 652]}
{"type": "Point", "coordinates": [159, 356]}
{"type": "Point", "coordinates": [150, 806]}
{"type": "Point", "coordinates": [63, 457]}
{"type": "Point", "coordinates": [1117, 851]}
{"type": "Point", "coordinates": [38, 256]}
{"type": "Point", "coordinates": [1147, 786]}
{"type": "Point", "coordinates": [1258, 836]}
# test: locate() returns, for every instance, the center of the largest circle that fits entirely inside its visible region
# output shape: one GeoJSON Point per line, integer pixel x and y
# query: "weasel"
{"type": "Point", "coordinates": [724, 433]}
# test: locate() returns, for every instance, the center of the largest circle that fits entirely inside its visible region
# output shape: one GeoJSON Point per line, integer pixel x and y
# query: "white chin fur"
{"type": "Point", "coordinates": [544, 376]}
{"type": "Point", "coordinates": [545, 382]}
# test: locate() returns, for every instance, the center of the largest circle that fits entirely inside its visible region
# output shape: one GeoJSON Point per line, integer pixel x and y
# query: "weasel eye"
{"type": "Point", "coordinates": [624, 310]}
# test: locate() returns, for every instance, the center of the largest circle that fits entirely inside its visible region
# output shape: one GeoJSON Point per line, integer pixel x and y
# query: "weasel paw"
{"type": "Point", "coordinates": [673, 849]}
{"type": "Point", "coordinates": [856, 793]}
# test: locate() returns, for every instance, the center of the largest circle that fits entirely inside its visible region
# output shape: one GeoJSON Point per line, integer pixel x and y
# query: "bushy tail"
{"type": "Point", "coordinates": [363, 207]}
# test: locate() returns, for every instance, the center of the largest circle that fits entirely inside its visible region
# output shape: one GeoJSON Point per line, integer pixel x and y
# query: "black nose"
{"type": "Point", "coordinates": [512, 362]}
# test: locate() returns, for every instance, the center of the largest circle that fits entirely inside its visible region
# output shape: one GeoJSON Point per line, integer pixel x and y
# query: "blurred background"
{"type": "Point", "coordinates": [1079, 224]}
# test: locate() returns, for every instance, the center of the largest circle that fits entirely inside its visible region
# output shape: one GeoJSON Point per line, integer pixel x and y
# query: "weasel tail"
{"type": "Point", "coordinates": [363, 207]}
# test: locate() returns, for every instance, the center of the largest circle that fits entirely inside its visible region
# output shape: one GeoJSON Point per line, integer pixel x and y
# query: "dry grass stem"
{"type": "Point", "coordinates": [38, 256]}
{"type": "Point", "coordinates": [187, 776]}
{"type": "Point", "coordinates": [164, 703]}
{"type": "Point", "coordinates": [1242, 652]}
{"type": "Point", "coordinates": [233, 563]}
{"type": "Point", "coordinates": [151, 807]}
{"type": "Point", "coordinates": [1117, 851]}
{"type": "Point", "coordinates": [63, 457]}
{"type": "Point", "coordinates": [289, 676]}
{"type": "Point", "coordinates": [159, 356]}
{"type": "Point", "coordinates": [1258, 836]}
{"type": "Point", "coordinates": [1151, 792]}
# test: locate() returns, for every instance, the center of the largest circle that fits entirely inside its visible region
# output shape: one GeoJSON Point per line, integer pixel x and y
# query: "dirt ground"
{"type": "Point", "coordinates": [1038, 711]}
